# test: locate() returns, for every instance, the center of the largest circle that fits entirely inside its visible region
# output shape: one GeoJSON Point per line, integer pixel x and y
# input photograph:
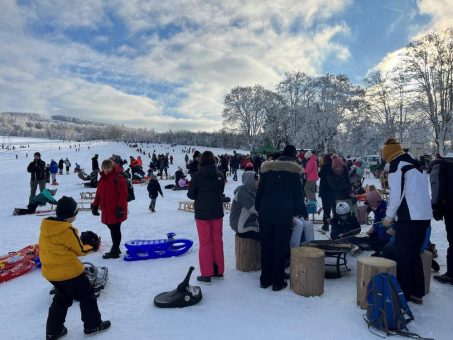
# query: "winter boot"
{"type": "Point", "coordinates": [216, 273]}
{"type": "Point", "coordinates": [112, 254]}
{"type": "Point", "coordinates": [204, 279]}
{"type": "Point", "coordinates": [101, 328]}
{"type": "Point", "coordinates": [63, 332]}
{"type": "Point", "coordinates": [325, 227]}
{"type": "Point", "coordinates": [444, 278]}
{"type": "Point", "coordinates": [276, 288]}
{"type": "Point", "coordinates": [435, 266]}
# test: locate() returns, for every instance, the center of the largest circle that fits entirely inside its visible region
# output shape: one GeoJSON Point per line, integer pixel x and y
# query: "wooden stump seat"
{"type": "Point", "coordinates": [367, 267]}
{"type": "Point", "coordinates": [307, 271]}
{"type": "Point", "coordinates": [248, 254]}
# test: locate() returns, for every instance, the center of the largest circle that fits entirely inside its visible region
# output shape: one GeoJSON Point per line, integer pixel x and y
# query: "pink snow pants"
{"type": "Point", "coordinates": [211, 246]}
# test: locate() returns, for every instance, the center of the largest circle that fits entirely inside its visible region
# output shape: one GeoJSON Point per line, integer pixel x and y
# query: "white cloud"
{"type": "Point", "coordinates": [220, 45]}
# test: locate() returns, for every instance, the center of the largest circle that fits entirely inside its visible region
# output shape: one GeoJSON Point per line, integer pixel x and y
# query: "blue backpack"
{"type": "Point", "coordinates": [388, 311]}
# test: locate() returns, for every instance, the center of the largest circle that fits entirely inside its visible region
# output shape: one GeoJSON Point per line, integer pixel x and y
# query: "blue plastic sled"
{"type": "Point", "coordinates": [155, 249]}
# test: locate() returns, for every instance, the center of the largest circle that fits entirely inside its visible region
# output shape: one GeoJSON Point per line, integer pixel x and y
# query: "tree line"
{"type": "Point", "coordinates": [412, 102]}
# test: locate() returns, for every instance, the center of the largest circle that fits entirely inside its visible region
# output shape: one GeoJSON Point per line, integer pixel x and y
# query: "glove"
{"type": "Point", "coordinates": [387, 222]}
{"type": "Point", "coordinates": [90, 238]}
{"type": "Point", "coordinates": [94, 210]}
{"type": "Point", "coordinates": [119, 212]}
{"type": "Point", "coordinates": [438, 214]}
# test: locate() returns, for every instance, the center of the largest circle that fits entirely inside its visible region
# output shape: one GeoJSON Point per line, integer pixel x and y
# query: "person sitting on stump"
{"type": "Point", "coordinates": [59, 247]}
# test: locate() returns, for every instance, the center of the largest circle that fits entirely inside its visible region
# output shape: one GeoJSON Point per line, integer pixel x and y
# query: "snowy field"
{"type": "Point", "coordinates": [235, 308]}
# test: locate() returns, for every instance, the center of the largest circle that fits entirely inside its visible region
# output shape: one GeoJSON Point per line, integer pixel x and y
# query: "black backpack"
{"type": "Point", "coordinates": [130, 188]}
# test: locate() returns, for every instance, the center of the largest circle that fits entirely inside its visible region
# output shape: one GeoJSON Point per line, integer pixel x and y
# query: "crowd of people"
{"type": "Point", "coordinates": [266, 207]}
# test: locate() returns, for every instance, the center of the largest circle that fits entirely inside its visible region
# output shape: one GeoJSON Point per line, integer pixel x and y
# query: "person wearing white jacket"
{"type": "Point", "coordinates": [410, 205]}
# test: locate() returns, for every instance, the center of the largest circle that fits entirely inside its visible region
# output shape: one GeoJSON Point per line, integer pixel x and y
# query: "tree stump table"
{"type": "Point", "coordinates": [367, 267]}
{"type": "Point", "coordinates": [307, 271]}
{"type": "Point", "coordinates": [427, 259]}
{"type": "Point", "coordinates": [248, 254]}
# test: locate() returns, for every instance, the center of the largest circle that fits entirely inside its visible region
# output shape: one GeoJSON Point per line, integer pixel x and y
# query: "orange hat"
{"type": "Point", "coordinates": [391, 150]}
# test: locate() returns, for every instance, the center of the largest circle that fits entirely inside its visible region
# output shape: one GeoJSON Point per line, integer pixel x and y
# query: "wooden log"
{"type": "Point", "coordinates": [307, 271]}
{"type": "Point", "coordinates": [248, 254]}
{"type": "Point", "coordinates": [427, 258]}
{"type": "Point", "coordinates": [367, 267]}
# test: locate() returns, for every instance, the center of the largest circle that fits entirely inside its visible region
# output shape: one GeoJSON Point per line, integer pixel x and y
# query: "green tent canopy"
{"type": "Point", "coordinates": [266, 149]}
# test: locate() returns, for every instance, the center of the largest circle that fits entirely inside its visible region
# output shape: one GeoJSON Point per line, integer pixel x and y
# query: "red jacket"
{"type": "Point", "coordinates": [312, 169]}
{"type": "Point", "coordinates": [111, 195]}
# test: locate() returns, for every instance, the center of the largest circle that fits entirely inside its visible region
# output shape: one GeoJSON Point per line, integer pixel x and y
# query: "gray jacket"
{"type": "Point", "coordinates": [243, 216]}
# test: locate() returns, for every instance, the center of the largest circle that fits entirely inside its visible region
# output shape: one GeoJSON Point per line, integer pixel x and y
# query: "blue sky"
{"type": "Point", "coordinates": [169, 64]}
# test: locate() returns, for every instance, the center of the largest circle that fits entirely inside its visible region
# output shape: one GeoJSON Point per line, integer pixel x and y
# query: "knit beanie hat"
{"type": "Point", "coordinates": [66, 208]}
{"type": "Point", "coordinates": [374, 196]}
{"type": "Point", "coordinates": [336, 161]}
{"type": "Point", "coordinates": [289, 151]}
{"type": "Point", "coordinates": [391, 150]}
{"type": "Point", "coordinates": [37, 154]}
{"type": "Point", "coordinates": [308, 154]}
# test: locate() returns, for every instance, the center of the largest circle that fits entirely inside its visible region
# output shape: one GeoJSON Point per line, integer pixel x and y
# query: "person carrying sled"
{"type": "Point", "coordinates": [279, 198]}
{"type": "Point", "coordinates": [59, 247]}
{"type": "Point", "coordinates": [37, 170]}
{"type": "Point", "coordinates": [441, 174]}
{"type": "Point", "coordinates": [206, 189]}
{"type": "Point", "coordinates": [153, 190]}
{"type": "Point", "coordinates": [111, 197]}
{"type": "Point", "coordinates": [409, 201]}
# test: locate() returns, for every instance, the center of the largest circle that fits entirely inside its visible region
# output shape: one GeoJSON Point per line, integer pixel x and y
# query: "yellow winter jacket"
{"type": "Point", "coordinates": [59, 246]}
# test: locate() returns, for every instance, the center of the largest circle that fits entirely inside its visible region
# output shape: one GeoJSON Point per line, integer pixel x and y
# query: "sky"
{"type": "Point", "coordinates": [168, 64]}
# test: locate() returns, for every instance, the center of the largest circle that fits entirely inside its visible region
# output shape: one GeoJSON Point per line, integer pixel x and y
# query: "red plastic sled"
{"type": "Point", "coordinates": [16, 270]}
{"type": "Point", "coordinates": [24, 255]}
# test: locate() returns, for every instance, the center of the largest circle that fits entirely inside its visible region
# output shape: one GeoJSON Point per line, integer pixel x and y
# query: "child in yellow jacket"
{"type": "Point", "coordinates": [59, 247]}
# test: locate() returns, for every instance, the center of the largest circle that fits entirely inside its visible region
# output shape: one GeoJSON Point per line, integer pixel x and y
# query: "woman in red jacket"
{"type": "Point", "coordinates": [111, 196]}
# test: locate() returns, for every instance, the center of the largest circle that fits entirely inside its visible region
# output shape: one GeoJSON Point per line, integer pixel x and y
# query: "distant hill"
{"type": "Point", "coordinates": [65, 127]}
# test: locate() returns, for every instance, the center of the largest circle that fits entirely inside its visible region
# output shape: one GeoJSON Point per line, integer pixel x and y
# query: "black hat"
{"type": "Point", "coordinates": [196, 154]}
{"type": "Point", "coordinates": [66, 208]}
{"type": "Point", "coordinates": [37, 154]}
{"type": "Point", "coordinates": [289, 151]}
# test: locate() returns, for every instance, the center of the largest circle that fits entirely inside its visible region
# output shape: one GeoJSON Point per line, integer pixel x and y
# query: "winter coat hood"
{"type": "Point", "coordinates": [208, 171]}
{"type": "Point", "coordinates": [53, 226]}
{"type": "Point", "coordinates": [248, 180]}
{"type": "Point", "coordinates": [281, 165]}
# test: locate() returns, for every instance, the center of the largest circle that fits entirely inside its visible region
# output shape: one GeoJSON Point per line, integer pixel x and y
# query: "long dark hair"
{"type": "Point", "coordinates": [207, 158]}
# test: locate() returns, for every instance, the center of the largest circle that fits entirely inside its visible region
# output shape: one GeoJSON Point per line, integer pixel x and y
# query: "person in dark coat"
{"type": "Point", "coordinates": [206, 188]}
{"type": "Point", "coordinates": [153, 190]}
{"type": "Point", "coordinates": [326, 192]}
{"type": "Point", "coordinates": [193, 166]}
{"type": "Point", "coordinates": [37, 170]}
{"type": "Point", "coordinates": [234, 165]}
{"type": "Point", "coordinates": [441, 174]}
{"type": "Point", "coordinates": [338, 180]}
{"type": "Point", "coordinates": [60, 166]}
{"type": "Point", "coordinates": [111, 197]}
{"type": "Point", "coordinates": [95, 166]}
{"type": "Point", "coordinates": [279, 198]}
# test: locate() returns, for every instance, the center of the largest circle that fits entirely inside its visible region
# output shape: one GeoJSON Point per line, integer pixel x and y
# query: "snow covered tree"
{"type": "Point", "coordinates": [428, 63]}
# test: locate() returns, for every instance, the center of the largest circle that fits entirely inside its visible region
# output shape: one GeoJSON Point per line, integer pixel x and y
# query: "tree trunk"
{"type": "Point", "coordinates": [307, 271]}
{"type": "Point", "coordinates": [367, 267]}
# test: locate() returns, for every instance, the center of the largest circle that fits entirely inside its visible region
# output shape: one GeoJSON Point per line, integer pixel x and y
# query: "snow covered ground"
{"type": "Point", "coordinates": [235, 308]}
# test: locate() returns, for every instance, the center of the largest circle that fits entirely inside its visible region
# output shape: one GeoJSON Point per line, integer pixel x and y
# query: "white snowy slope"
{"type": "Point", "coordinates": [235, 308]}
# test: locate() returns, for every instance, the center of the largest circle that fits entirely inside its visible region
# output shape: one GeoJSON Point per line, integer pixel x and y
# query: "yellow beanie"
{"type": "Point", "coordinates": [391, 150]}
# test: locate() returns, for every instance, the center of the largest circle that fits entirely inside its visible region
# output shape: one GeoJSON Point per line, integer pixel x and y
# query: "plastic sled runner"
{"type": "Point", "coordinates": [183, 296]}
{"type": "Point", "coordinates": [154, 249]}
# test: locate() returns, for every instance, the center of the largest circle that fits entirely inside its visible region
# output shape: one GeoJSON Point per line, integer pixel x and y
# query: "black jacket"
{"type": "Point", "coordinates": [441, 178]}
{"type": "Point", "coordinates": [340, 185]}
{"type": "Point", "coordinates": [60, 164]}
{"type": "Point", "coordinates": [279, 196]}
{"type": "Point", "coordinates": [94, 164]}
{"type": "Point", "coordinates": [346, 228]}
{"type": "Point", "coordinates": [154, 188]}
{"type": "Point", "coordinates": [192, 167]}
{"type": "Point", "coordinates": [206, 188]}
{"type": "Point", "coordinates": [37, 169]}
{"type": "Point", "coordinates": [324, 188]}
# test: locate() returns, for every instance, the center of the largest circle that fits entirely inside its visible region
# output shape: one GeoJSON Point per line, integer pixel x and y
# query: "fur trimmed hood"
{"type": "Point", "coordinates": [288, 166]}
